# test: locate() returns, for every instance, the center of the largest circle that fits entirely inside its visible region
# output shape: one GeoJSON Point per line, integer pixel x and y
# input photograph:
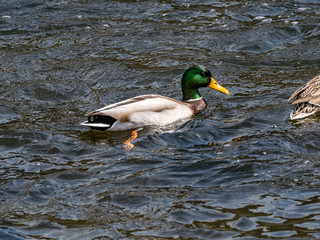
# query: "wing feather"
{"type": "Point", "coordinates": [301, 89]}
{"type": "Point", "coordinates": [315, 100]}
{"type": "Point", "coordinates": [307, 92]}
{"type": "Point", "coordinates": [144, 103]}
{"type": "Point", "coordinates": [307, 99]}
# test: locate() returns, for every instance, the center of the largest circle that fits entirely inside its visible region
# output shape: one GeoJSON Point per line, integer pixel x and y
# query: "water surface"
{"type": "Point", "coordinates": [238, 170]}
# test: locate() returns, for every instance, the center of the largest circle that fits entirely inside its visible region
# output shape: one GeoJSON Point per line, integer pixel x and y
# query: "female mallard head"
{"type": "Point", "coordinates": [196, 77]}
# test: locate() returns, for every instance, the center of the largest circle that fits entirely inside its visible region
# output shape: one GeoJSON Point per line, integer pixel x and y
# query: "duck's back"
{"type": "Point", "coordinates": [143, 111]}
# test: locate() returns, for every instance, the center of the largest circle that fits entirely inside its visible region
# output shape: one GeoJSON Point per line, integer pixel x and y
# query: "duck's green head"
{"type": "Point", "coordinates": [196, 77]}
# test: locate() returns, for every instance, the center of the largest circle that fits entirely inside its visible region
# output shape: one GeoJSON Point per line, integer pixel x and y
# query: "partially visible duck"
{"type": "Point", "coordinates": [148, 110]}
{"type": "Point", "coordinates": [306, 99]}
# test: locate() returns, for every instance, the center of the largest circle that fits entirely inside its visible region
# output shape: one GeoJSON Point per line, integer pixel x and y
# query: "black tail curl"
{"type": "Point", "coordinates": [101, 119]}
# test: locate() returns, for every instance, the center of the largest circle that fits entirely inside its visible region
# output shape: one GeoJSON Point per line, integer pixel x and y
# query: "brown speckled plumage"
{"type": "Point", "coordinates": [306, 99]}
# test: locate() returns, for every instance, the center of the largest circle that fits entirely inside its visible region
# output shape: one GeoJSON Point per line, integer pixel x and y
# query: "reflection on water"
{"type": "Point", "coordinates": [240, 169]}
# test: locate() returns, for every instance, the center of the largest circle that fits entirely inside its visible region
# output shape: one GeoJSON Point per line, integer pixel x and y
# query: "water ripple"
{"type": "Point", "coordinates": [238, 170]}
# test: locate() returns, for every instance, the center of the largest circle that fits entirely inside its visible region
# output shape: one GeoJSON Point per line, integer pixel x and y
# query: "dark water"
{"type": "Point", "coordinates": [238, 170]}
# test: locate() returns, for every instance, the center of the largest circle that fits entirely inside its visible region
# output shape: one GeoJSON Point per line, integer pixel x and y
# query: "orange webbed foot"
{"type": "Point", "coordinates": [127, 144]}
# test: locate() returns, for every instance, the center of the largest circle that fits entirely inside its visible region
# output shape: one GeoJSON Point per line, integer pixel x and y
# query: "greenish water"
{"type": "Point", "coordinates": [238, 170]}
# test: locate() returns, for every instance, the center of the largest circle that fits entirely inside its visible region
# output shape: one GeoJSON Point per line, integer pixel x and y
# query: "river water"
{"type": "Point", "coordinates": [238, 170]}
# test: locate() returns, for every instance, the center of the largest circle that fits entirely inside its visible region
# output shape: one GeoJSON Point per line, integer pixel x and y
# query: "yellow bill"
{"type": "Point", "coordinates": [214, 85]}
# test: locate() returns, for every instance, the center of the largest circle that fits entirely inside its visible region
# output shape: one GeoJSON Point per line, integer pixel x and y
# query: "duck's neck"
{"type": "Point", "coordinates": [190, 94]}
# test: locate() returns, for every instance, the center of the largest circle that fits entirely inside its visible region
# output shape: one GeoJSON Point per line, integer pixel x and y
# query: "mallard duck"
{"type": "Point", "coordinates": [152, 109]}
{"type": "Point", "coordinates": [307, 99]}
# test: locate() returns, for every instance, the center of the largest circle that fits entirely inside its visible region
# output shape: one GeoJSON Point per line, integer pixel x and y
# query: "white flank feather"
{"type": "Point", "coordinates": [97, 125]}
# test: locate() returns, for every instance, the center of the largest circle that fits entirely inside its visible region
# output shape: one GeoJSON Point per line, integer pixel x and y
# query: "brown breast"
{"type": "Point", "coordinates": [197, 105]}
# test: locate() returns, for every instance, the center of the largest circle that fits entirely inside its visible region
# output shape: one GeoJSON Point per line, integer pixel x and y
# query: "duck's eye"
{"type": "Point", "coordinates": [203, 74]}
